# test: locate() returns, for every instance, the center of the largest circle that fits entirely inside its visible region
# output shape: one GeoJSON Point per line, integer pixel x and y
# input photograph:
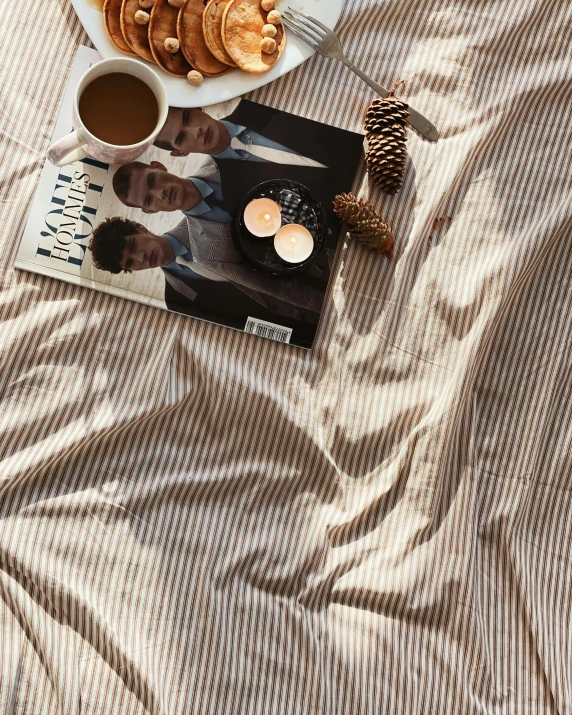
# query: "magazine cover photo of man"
{"type": "Point", "coordinates": [249, 133]}
{"type": "Point", "coordinates": [153, 188]}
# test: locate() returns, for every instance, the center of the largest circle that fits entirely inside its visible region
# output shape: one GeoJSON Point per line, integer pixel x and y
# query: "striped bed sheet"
{"type": "Point", "coordinates": [196, 521]}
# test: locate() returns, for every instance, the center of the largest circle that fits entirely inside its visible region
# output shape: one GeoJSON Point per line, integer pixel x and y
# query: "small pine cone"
{"type": "Point", "coordinates": [364, 223]}
{"type": "Point", "coordinates": [386, 155]}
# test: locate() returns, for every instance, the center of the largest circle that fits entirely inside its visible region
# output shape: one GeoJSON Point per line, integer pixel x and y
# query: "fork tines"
{"type": "Point", "coordinates": [305, 28]}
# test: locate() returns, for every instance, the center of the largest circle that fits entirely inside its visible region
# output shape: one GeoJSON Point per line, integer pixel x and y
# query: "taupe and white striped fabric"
{"type": "Point", "coordinates": [195, 521]}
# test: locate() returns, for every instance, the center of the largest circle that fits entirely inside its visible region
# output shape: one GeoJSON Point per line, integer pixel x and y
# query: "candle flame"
{"type": "Point", "coordinates": [293, 239]}
{"type": "Point", "coordinates": [267, 217]}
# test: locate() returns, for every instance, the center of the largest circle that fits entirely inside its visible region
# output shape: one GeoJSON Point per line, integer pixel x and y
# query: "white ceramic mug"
{"type": "Point", "coordinates": [81, 143]}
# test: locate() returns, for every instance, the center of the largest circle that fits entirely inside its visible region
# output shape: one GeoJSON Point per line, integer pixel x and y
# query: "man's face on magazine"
{"type": "Point", "coordinates": [154, 189]}
{"type": "Point", "coordinates": [191, 131]}
{"type": "Point", "coordinates": [145, 250]}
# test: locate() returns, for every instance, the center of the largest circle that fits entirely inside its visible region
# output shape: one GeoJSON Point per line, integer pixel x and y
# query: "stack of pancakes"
{"type": "Point", "coordinates": [214, 35]}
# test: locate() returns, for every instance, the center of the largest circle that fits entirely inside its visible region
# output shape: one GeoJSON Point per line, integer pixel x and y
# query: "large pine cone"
{"type": "Point", "coordinates": [364, 223]}
{"type": "Point", "coordinates": [386, 154]}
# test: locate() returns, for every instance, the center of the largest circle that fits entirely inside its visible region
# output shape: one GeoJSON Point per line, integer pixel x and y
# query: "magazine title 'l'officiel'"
{"type": "Point", "coordinates": [69, 223]}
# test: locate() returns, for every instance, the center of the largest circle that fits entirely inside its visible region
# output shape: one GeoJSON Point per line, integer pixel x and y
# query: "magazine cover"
{"type": "Point", "coordinates": [159, 230]}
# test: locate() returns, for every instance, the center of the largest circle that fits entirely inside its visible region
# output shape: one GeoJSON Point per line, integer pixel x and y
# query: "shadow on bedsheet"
{"type": "Point", "coordinates": [368, 280]}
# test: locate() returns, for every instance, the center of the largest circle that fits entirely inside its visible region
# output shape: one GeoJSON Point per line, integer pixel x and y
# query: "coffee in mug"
{"type": "Point", "coordinates": [120, 105]}
{"type": "Point", "coordinates": [119, 109]}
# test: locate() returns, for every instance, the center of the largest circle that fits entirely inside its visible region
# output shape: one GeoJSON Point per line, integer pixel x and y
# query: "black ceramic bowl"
{"type": "Point", "coordinates": [259, 252]}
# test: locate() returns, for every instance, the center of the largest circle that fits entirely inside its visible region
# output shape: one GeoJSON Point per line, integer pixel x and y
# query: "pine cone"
{"type": "Point", "coordinates": [364, 223]}
{"type": "Point", "coordinates": [386, 154]}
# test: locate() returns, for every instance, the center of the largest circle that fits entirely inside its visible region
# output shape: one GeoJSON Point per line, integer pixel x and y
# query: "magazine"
{"type": "Point", "coordinates": [159, 230]}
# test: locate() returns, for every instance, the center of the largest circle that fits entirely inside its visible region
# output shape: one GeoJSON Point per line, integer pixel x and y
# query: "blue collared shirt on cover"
{"type": "Point", "coordinates": [202, 209]}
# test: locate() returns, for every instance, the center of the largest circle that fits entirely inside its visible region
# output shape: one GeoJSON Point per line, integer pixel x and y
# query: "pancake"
{"type": "Point", "coordinates": [192, 41]}
{"type": "Point", "coordinates": [212, 30]}
{"type": "Point", "coordinates": [136, 36]}
{"type": "Point", "coordinates": [112, 22]}
{"type": "Point", "coordinates": [163, 24]}
{"type": "Point", "coordinates": [242, 25]}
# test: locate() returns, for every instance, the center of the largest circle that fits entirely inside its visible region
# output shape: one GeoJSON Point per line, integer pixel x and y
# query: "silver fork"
{"type": "Point", "coordinates": [325, 41]}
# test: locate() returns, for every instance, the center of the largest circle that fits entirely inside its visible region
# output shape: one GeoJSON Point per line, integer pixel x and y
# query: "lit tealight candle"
{"type": "Point", "coordinates": [294, 243]}
{"type": "Point", "coordinates": [262, 217]}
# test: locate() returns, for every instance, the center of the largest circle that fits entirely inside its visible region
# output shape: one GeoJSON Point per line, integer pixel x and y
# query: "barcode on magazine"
{"type": "Point", "coordinates": [254, 326]}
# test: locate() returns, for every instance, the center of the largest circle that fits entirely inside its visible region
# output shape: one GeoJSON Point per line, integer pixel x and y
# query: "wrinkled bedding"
{"type": "Point", "coordinates": [197, 521]}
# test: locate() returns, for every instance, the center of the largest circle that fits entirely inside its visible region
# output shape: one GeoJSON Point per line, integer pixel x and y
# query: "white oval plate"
{"type": "Point", "coordinates": [234, 83]}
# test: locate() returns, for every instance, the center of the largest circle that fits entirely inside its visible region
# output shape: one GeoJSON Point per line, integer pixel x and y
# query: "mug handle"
{"type": "Point", "coordinates": [67, 150]}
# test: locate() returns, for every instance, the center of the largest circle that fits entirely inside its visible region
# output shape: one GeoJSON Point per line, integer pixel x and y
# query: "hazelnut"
{"type": "Point", "coordinates": [268, 45]}
{"type": "Point", "coordinates": [274, 17]}
{"type": "Point", "coordinates": [175, 3]}
{"type": "Point", "coordinates": [146, 4]}
{"type": "Point", "coordinates": [195, 78]}
{"type": "Point", "coordinates": [141, 17]}
{"type": "Point", "coordinates": [268, 5]}
{"type": "Point", "coordinates": [171, 44]}
{"type": "Point", "coordinates": [269, 31]}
